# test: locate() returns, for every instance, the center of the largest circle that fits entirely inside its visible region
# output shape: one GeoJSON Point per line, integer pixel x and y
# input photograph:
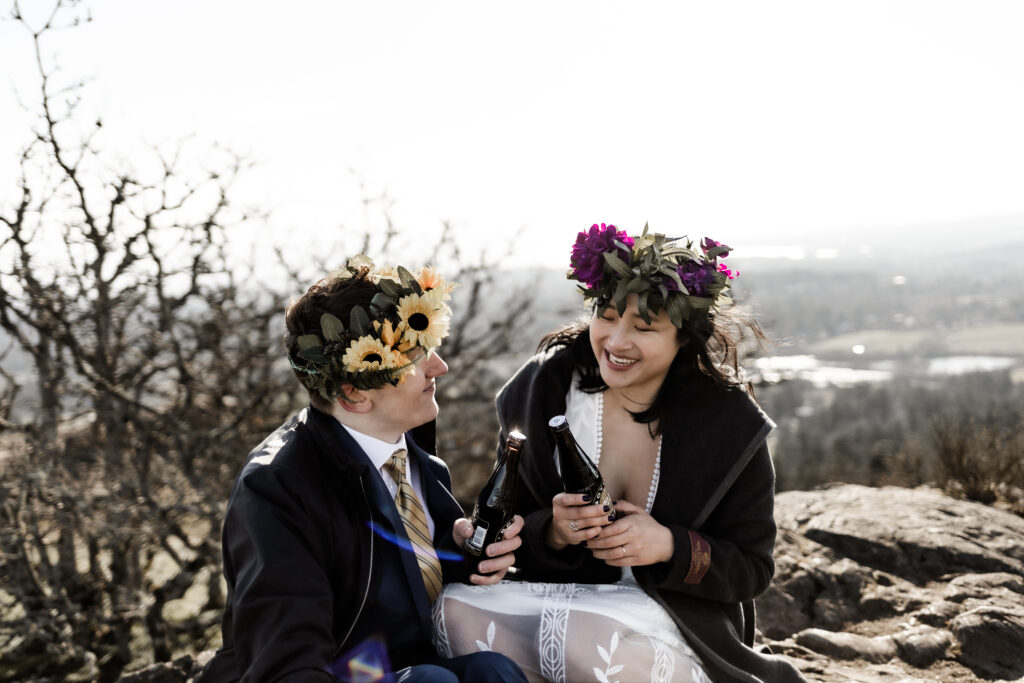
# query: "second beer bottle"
{"type": "Point", "coordinates": [579, 473]}
{"type": "Point", "coordinates": [495, 505]}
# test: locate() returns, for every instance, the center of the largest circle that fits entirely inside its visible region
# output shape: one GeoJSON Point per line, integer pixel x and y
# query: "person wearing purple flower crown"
{"type": "Point", "coordinates": [659, 585]}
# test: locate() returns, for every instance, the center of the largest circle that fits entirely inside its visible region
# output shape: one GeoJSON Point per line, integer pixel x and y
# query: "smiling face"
{"type": "Point", "coordinates": [633, 356]}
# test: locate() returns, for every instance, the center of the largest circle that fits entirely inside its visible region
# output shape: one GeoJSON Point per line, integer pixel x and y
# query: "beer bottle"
{"type": "Point", "coordinates": [495, 505]}
{"type": "Point", "coordinates": [579, 473]}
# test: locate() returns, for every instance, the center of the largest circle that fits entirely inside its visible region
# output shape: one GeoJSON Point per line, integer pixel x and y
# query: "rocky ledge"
{"type": "Point", "coordinates": [875, 585]}
{"type": "Point", "coordinates": [894, 584]}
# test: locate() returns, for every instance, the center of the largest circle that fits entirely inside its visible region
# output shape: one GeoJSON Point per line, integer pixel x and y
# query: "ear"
{"type": "Point", "coordinates": [353, 400]}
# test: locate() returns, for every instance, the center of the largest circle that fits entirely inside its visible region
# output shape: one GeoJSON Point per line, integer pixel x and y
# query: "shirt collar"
{"type": "Point", "coordinates": [379, 452]}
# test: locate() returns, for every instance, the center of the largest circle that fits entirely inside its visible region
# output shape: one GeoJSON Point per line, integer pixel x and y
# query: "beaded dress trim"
{"type": "Point", "coordinates": [652, 491]}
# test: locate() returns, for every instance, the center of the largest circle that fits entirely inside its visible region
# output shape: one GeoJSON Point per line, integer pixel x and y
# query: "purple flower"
{"type": "Point", "coordinates": [707, 244]}
{"type": "Point", "coordinates": [587, 258]}
{"type": "Point", "coordinates": [696, 276]}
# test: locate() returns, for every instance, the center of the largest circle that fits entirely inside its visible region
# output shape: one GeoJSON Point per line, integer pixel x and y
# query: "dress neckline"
{"type": "Point", "coordinates": [652, 491]}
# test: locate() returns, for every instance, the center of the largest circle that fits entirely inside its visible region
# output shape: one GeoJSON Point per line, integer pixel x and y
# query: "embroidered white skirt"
{"type": "Point", "coordinates": [567, 631]}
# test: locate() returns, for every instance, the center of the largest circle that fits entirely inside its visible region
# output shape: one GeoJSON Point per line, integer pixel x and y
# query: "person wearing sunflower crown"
{"type": "Point", "coordinates": [341, 528]}
{"type": "Point", "coordinates": [658, 585]}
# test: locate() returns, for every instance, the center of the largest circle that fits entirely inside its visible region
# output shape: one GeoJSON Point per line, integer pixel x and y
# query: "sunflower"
{"type": "Point", "coordinates": [425, 317]}
{"type": "Point", "coordinates": [370, 353]}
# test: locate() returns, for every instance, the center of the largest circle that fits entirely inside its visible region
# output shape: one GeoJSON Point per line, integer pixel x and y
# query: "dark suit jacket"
{"type": "Point", "coordinates": [303, 542]}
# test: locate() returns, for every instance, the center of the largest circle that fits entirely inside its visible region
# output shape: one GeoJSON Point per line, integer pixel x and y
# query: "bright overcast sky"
{"type": "Point", "coordinates": [755, 122]}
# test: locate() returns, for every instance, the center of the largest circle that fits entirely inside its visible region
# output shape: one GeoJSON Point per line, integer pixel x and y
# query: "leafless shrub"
{"type": "Point", "coordinates": [909, 466]}
{"type": "Point", "coordinates": [152, 364]}
{"type": "Point", "coordinates": [980, 459]}
{"type": "Point", "coordinates": [148, 364]}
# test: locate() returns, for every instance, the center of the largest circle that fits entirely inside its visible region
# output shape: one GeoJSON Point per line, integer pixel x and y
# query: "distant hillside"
{"type": "Point", "coordinates": [805, 302]}
{"type": "Point", "coordinates": [917, 247]}
{"type": "Point", "coordinates": [912, 290]}
{"type": "Point", "coordinates": [1003, 340]}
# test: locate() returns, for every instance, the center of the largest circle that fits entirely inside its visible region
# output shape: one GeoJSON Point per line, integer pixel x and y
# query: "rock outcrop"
{"type": "Point", "coordinates": [886, 584]}
{"type": "Point", "coordinates": [872, 585]}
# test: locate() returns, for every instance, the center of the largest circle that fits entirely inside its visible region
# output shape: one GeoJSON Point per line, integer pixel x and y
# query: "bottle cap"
{"type": "Point", "coordinates": [516, 437]}
{"type": "Point", "coordinates": [557, 421]}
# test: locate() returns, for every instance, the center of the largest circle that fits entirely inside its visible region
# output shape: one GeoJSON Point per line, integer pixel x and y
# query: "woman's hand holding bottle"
{"type": "Point", "coordinates": [635, 539]}
{"type": "Point", "coordinates": [575, 519]}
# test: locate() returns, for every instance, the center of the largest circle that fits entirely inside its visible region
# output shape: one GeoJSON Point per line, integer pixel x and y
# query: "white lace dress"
{"type": "Point", "coordinates": [570, 631]}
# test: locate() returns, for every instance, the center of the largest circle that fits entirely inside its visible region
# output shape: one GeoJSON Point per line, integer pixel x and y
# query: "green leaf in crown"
{"type": "Point", "coordinates": [663, 272]}
{"type": "Point", "coordinates": [405, 313]}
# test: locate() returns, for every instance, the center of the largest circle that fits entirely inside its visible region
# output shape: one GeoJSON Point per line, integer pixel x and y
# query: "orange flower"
{"type": "Point", "coordinates": [428, 278]}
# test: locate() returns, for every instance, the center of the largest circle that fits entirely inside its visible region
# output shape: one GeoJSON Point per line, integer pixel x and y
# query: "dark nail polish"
{"type": "Point", "coordinates": [607, 508]}
{"type": "Point", "coordinates": [586, 498]}
{"type": "Point", "coordinates": [611, 518]}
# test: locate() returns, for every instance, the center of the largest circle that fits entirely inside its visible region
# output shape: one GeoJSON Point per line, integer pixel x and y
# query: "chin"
{"type": "Point", "coordinates": [613, 378]}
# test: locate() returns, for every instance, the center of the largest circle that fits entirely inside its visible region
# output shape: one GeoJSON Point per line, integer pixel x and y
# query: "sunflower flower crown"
{"type": "Point", "coordinates": [378, 344]}
{"type": "Point", "coordinates": [664, 272]}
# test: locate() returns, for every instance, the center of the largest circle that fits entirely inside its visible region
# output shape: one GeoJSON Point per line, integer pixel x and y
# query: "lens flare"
{"type": "Point", "coordinates": [367, 662]}
{"type": "Point", "coordinates": [403, 543]}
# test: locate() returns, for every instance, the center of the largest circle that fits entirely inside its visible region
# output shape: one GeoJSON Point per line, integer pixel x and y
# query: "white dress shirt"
{"type": "Point", "coordinates": [379, 453]}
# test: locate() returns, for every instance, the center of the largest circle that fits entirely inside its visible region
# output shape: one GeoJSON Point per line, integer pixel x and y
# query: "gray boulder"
{"type": "Point", "coordinates": [901, 582]}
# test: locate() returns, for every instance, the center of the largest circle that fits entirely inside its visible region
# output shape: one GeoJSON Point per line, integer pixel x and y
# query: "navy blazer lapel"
{"type": "Point", "coordinates": [379, 493]}
{"type": "Point", "coordinates": [385, 504]}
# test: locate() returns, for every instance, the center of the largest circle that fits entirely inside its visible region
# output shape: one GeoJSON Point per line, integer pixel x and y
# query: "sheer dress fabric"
{"type": "Point", "coordinates": [570, 631]}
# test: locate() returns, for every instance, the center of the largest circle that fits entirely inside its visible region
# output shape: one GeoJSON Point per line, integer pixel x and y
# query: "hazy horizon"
{"type": "Point", "coordinates": [829, 126]}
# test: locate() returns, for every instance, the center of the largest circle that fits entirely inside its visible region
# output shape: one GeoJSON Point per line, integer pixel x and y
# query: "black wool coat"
{"type": "Point", "coordinates": [302, 561]}
{"type": "Point", "coordinates": [717, 480]}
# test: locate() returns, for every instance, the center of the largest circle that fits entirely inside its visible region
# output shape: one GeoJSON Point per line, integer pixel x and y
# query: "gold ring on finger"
{"type": "Point", "coordinates": [573, 525]}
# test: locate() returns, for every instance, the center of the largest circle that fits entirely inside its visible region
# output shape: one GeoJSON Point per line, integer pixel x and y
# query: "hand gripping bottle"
{"type": "Point", "coordinates": [495, 505]}
{"type": "Point", "coordinates": [579, 473]}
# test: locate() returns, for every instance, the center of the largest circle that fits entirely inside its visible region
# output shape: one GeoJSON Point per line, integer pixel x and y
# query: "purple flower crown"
{"type": "Point", "coordinates": [665, 275]}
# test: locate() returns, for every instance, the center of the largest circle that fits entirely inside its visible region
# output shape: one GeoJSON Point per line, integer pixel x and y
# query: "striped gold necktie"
{"type": "Point", "coordinates": [415, 521]}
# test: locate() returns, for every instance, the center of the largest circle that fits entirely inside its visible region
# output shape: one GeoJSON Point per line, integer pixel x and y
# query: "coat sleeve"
{"type": "Point", "coordinates": [730, 557]}
{"type": "Point", "coordinates": [282, 602]}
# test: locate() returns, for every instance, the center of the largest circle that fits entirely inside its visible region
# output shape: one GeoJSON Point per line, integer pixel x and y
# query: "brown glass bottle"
{"type": "Point", "coordinates": [579, 473]}
{"type": "Point", "coordinates": [495, 505]}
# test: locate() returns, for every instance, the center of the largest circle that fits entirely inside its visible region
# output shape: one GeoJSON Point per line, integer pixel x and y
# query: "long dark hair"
{"type": "Point", "coordinates": [710, 352]}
